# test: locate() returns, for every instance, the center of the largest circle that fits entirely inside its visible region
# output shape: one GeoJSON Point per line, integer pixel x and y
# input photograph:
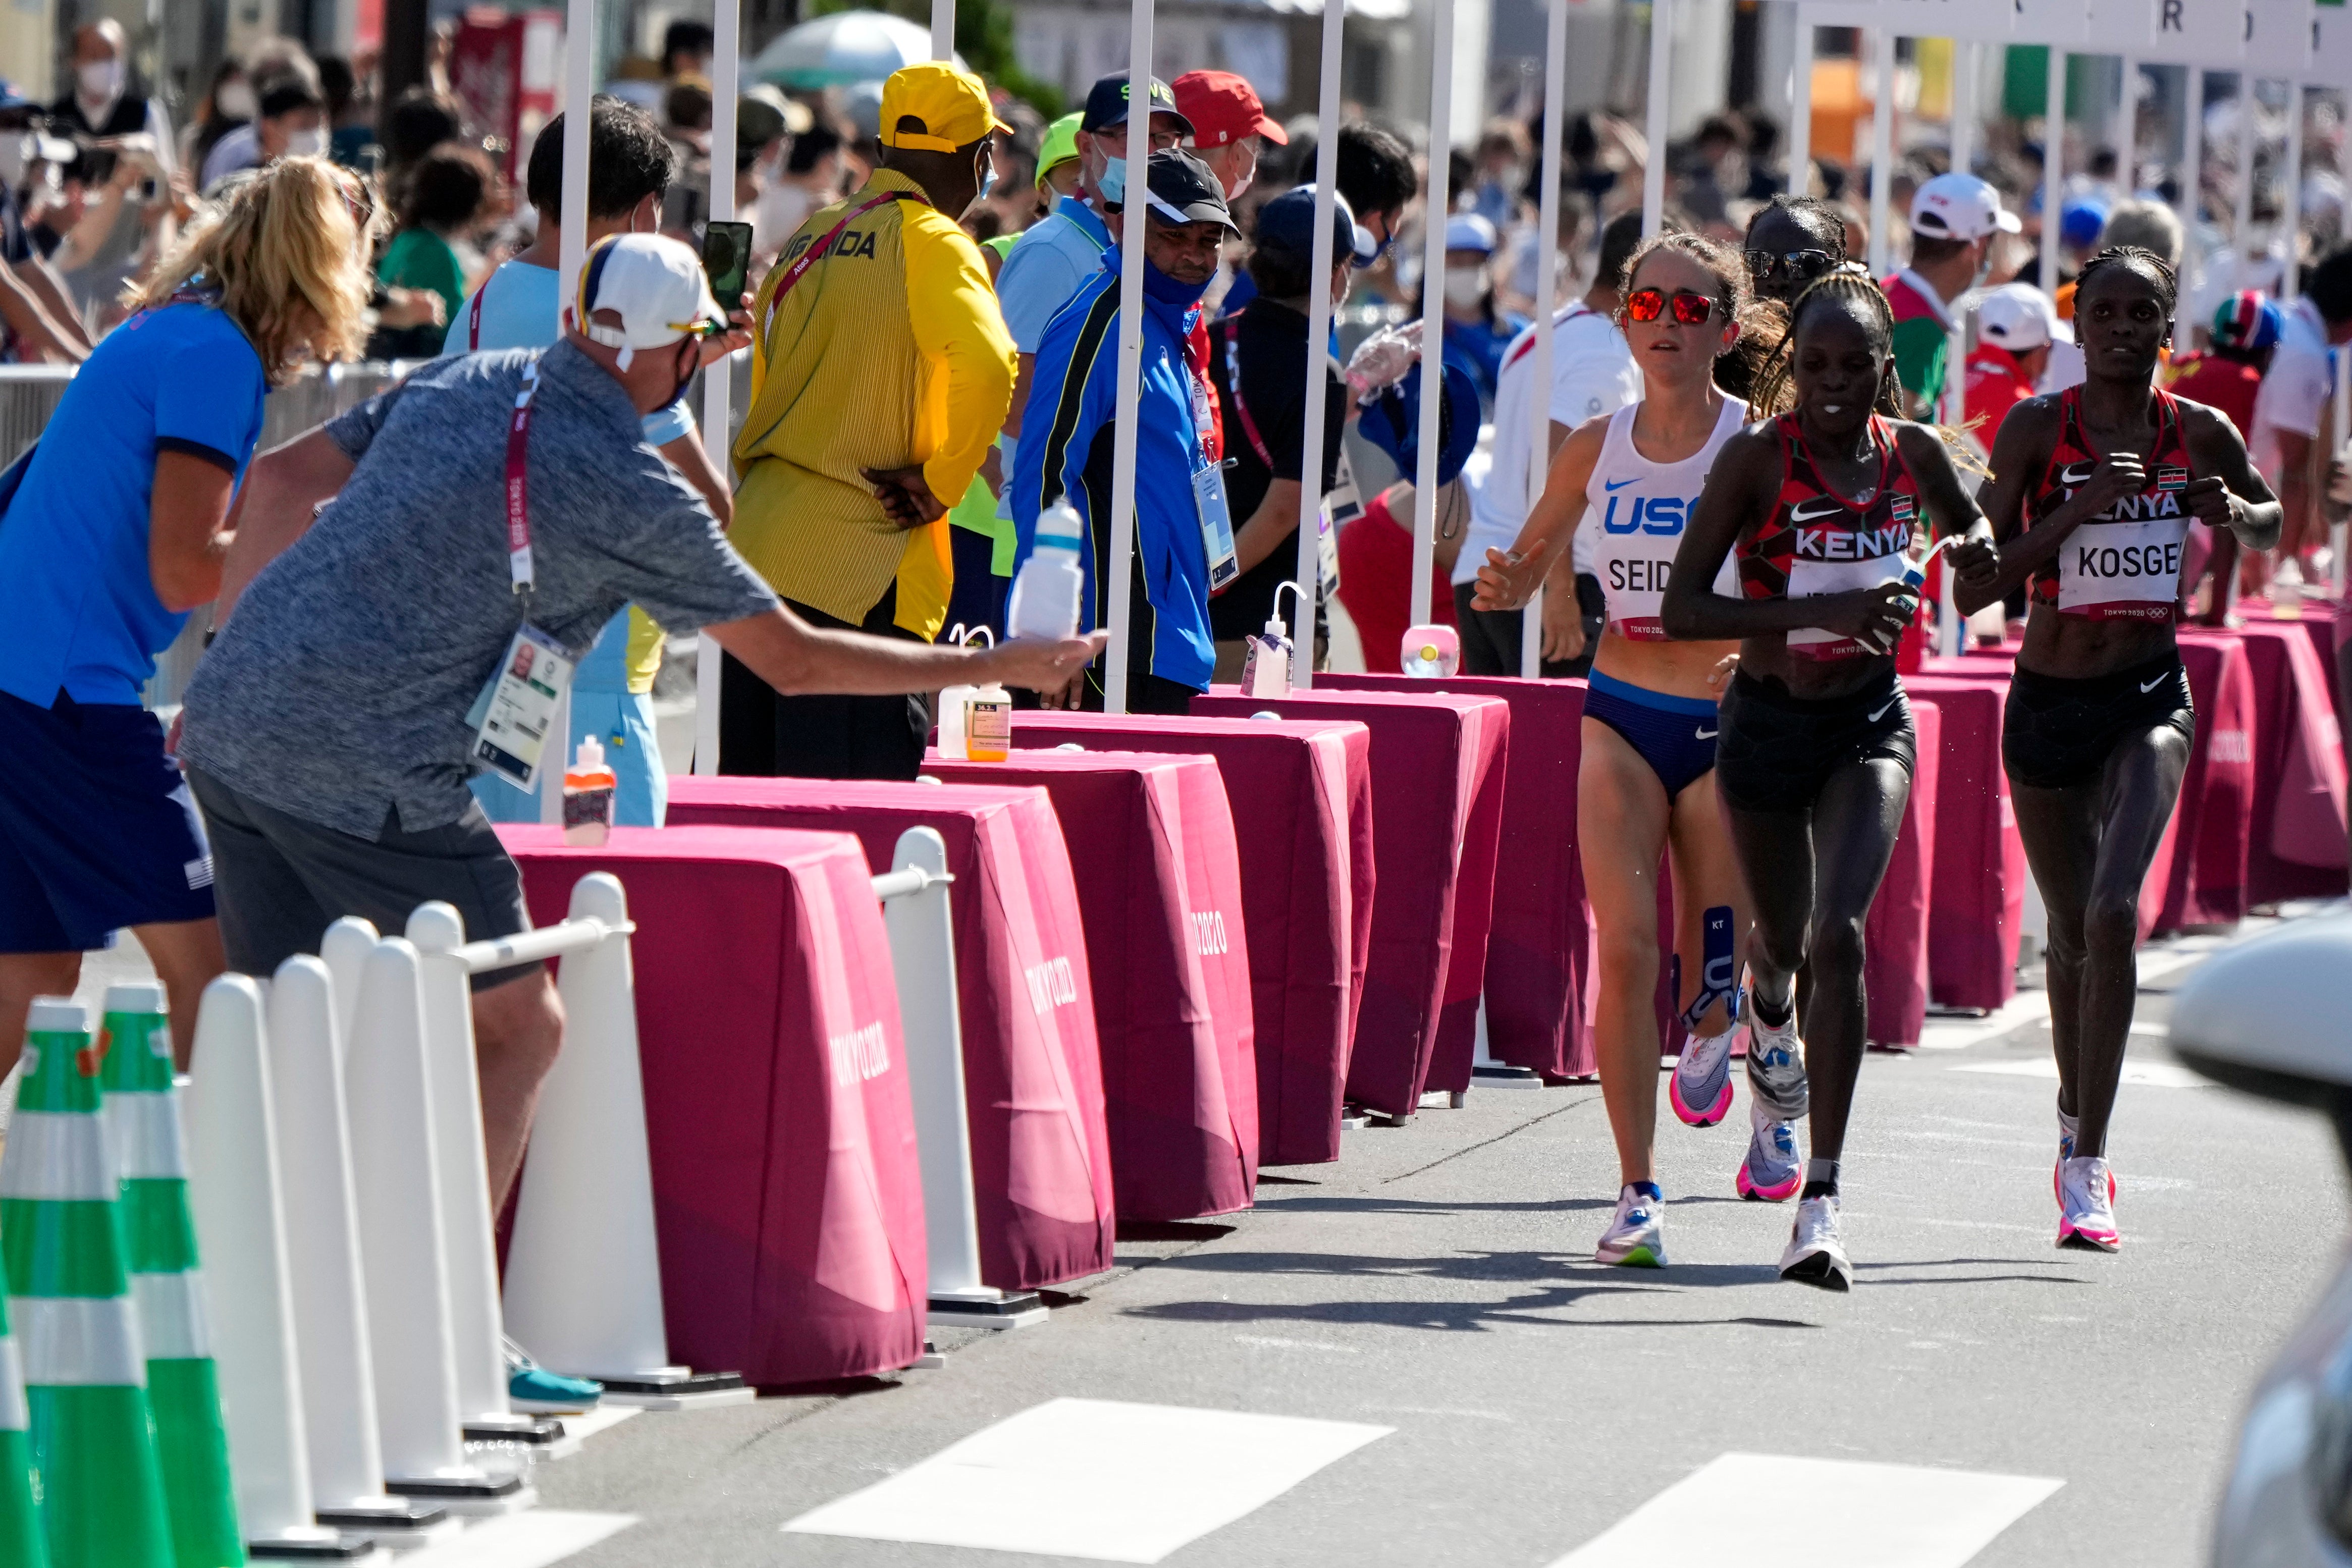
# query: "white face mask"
{"type": "Point", "coordinates": [16, 153]}
{"type": "Point", "coordinates": [1464, 286]}
{"type": "Point", "coordinates": [236, 100]}
{"type": "Point", "coordinates": [100, 80]}
{"type": "Point", "coordinates": [305, 143]}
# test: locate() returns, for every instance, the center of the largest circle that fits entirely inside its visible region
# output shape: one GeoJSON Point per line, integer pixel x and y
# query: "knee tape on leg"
{"type": "Point", "coordinates": [1718, 968]}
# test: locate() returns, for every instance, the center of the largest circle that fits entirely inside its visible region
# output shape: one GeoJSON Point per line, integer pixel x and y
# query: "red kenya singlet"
{"type": "Point", "coordinates": [2124, 563]}
{"type": "Point", "coordinates": [1818, 542]}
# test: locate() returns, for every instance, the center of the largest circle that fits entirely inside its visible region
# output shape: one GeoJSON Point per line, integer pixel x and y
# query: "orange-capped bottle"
{"type": "Point", "coordinates": [588, 789]}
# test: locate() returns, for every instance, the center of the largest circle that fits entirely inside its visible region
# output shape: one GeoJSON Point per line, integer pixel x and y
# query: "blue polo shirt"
{"type": "Point", "coordinates": [518, 305]}
{"type": "Point", "coordinates": [1050, 262]}
{"type": "Point", "coordinates": [83, 616]}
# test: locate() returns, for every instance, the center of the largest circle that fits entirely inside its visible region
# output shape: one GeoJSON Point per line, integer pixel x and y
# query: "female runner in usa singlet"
{"type": "Point", "coordinates": [1821, 508]}
{"type": "Point", "coordinates": [1645, 779]}
{"type": "Point", "coordinates": [2093, 493]}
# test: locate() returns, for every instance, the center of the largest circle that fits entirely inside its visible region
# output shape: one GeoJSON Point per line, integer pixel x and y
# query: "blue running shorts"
{"type": "Point", "coordinates": [1675, 735]}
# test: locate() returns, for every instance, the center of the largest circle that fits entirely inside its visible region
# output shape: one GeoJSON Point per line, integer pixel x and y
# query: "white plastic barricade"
{"type": "Point", "coordinates": [236, 1196]}
{"type": "Point", "coordinates": [583, 1267]}
{"type": "Point", "coordinates": [322, 1224]}
{"type": "Point", "coordinates": [1309, 559]}
{"type": "Point", "coordinates": [914, 894]}
{"type": "Point", "coordinates": [403, 1260]}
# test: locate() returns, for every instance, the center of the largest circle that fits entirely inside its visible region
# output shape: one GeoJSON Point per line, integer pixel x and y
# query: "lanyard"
{"type": "Point", "coordinates": [518, 564]}
{"type": "Point", "coordinates": [808, 258]}
{"type": "Point", "coordinates": [1233, 381]}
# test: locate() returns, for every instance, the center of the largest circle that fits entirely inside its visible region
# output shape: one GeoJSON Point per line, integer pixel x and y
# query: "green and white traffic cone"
{"type": "Point", "coordinates": [85, 1373]}
{"type": "Point", "coordinates": [159, 1243]}
{"type": "Point", "coordinates": [20, 1484]}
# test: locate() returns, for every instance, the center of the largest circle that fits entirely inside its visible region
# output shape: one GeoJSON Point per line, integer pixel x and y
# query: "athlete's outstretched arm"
{"type": "Point", "coordinates": [1742, 489]}
{"type": "Point", "coordinates": [1507, 579]}
{"type": "Point", "coordinates": [1972, 556]}
{"type": "Point", "coordinates": [2228, 491]}
{"type": "Point", "coordinates": [2021, 455]}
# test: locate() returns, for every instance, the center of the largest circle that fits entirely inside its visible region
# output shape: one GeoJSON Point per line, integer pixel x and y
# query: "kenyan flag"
{"type": "Point", "coordinates": [2173, 480]}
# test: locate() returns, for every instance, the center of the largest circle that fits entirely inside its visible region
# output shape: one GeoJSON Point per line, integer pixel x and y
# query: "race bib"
{"type": "Point", "coordinates": [2121, 572]}
{"type": "Point", "coordinates": [516, 711]}
{"type": "Point", "coordinates": [1818, 578]}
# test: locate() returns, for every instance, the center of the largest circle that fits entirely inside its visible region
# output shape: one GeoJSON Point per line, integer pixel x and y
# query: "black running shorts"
{"type": "Point", "coordinates": [2058, 733]}
{"type": "Point", "coordinates": [1778, 750]}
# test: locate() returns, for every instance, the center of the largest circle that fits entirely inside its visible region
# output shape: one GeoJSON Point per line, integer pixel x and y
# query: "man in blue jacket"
{"type": "Point", "coordinates": [1184, 538]}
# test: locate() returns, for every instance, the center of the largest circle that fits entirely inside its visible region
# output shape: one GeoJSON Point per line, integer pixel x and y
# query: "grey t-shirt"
{"type": "Point", "coordinates": [339, 689]}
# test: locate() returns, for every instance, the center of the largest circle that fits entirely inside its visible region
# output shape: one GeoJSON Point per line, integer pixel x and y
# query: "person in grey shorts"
{"type": "Point", "coordinates": [327, 735]}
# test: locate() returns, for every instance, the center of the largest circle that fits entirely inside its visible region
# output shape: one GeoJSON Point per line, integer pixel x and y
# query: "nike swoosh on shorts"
{"type": "Point", "coordinates": [2154, 683]}
{"type": "Point", "coordinates": [1708, 734]}
{"type": "Point", "coordinates": [1875, 717]}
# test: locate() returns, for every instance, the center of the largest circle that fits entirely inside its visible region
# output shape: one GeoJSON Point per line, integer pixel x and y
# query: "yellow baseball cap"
{"type": "Point", "coordinates": [951, 102]}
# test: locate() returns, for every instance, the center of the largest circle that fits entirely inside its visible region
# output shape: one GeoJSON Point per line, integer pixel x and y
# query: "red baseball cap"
{"type": "Point", "coordinates": [1223, 109]}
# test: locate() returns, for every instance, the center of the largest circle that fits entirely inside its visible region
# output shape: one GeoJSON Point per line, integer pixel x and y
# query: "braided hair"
{"type": "Point", "coordinates": [2136, 258]}
{"type": "Point", "coordinates": [1776, 390]}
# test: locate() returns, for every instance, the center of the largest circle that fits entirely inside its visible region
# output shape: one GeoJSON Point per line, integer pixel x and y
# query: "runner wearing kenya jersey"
{"type": "Point", "coordinates": [1823, 508]}
{"type": "Point", "coordinates": [2093, 494]}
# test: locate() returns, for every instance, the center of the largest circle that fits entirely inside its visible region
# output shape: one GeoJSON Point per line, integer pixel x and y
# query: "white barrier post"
{"type": "Point", "coordinates": [2340, 534]}
{"type": "Point", "coordinates": [2242, 213]}
{"type": "Point", "coordinates": [469, 1242]}
{"type": "Point", "coordinates": [579, 83]}
{"type": "Point", "coordinates": [2192, 184]}
{"type": "Point", "coordinates": [241, 1235]}
{"type": "Point", "coordinates": [1801, 108]}
{"type": "Point", "coordinates": [717, 378]}
{"type": "Point", "coordinates": [584, 1269]}
{"type": "Point", "coordinates": [1951, 628]}
{"type": "Point", "coordinates": [1118, 573]}
{"type": "Point", "coordinates": [2054, 166]}
{"type": "Point", "coordinates": [1547, 304]}
{"type": "Point", "coordinates": [1320, 305]}
{"type": "Point", "coordinates": [942, 29]}
{"type": "Point", "coordinates": [1436, 207]}
{"type": "Point", "coordinates": [2291, 186]}
{"type": "Point", "coordinates": [1880, 43]}
{"type": "Point", "coordinates": [338, 1375]}
{"type": "Point", "coordinates": [345, 951]}
{"type": "Point", "coordinates": [914, 898]}
{"type": "Point", "coordinates": [395, 1175]}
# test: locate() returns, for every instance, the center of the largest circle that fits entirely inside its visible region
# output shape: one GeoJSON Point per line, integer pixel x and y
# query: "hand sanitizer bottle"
{"type": "Point", "coordinates": [588, 788]}
{"type": "Point", "coordinates": [1431, 652]}
{"type": "Point", "coordinates": [1266, 671]}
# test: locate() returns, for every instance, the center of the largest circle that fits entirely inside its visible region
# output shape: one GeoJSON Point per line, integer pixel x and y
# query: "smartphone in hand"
{"type": "Point", "coordinates": [727, 261]}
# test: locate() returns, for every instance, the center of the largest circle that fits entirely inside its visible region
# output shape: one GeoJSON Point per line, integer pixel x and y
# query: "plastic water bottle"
{"type": "Point", "coordinates": [1431, 653]}
{"type": "Point", "coordinates": [1048, 592]}
{"type": "Point", "coordinates": [1265, 673]}
{"type": "Point", "coordinates": [588, 789]}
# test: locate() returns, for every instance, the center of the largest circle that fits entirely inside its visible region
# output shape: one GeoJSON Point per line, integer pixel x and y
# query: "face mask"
{"type": "Point", "coordinates": [14, 149]}
{"type": "Point", "coordinates": [1112, 183]}
{"type": "Point", "coordinates": [1159, 286]}
{"type": "Point", "coordinates": [1235, 193]}
{"type": "Point", "coordinates": [305, 143]}
{"type": "Point", "coordinates": [236, 101]}
{"type": "Point", "coordinates": [1464, 286]}
{"type": "Point", "coordinates": [101, 79]}
{"type": "Point", "coordinates": [988, 181]}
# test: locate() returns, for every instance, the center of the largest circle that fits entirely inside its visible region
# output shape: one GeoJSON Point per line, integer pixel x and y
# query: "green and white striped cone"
{"type": "Point", "coordinates": [159, 1243]}
{"type": "Point", "coordinates": [20, 1485]}
{"type": "Point", "coordinates": [85, 1373]}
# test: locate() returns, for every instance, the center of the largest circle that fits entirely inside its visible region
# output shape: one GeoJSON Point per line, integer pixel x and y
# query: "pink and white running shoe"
{"type": "Point", "coordinates": [1771, 1173]}
{"type": "Point", "coordinates": [1700, 1087]}
{"type": "Point", "coordinates": [2086, 1211]}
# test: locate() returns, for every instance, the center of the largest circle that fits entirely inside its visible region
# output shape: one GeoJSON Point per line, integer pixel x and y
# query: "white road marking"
{"type": "Point", "coordinates": [602, 1417]}
{"type": "Point", "coordinates": [1096, 1479]}
{"type": "Point", "coordinates": [2155, 1074]}
{"type": "Point", "coordinates": [1271, 1342]}
{"type": "Point", "coordinates": [1885, 1516]}
{"type": "Point", "coordinates": [530, 1539]}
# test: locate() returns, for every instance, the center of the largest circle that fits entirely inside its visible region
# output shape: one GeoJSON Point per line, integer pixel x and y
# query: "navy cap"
{"type": "Point", "coordinates": [1287, 223]}
{"type": "Point", "coordinates": [1107, 104]}
{"type": "Point", "coordinates": [11, 99]}
{"type": "Point", "coordinates": [1184, 192]}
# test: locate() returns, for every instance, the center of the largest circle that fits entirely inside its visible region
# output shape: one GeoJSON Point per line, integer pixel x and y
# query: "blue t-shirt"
{"type": "Point", "coordinates": [518, 305]}
{"type": "Point", "coordinates": [83, 616]}
{"type": "Point", "coordinates": [1050, 262]}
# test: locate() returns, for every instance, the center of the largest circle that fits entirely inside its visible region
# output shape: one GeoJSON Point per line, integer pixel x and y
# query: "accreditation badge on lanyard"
{"type": "Point", "coordinates": [1216, 525]}
{"type": "Point", "coordinates": [512, 716]}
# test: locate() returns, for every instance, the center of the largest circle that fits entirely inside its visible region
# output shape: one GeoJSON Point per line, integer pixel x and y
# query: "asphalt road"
{"type": "Point", "coordinates": [1437, 1281]}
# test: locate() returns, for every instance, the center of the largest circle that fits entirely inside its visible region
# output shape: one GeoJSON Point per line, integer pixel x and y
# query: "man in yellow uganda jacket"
{"type": "Point", "coordinates": [881, 373]}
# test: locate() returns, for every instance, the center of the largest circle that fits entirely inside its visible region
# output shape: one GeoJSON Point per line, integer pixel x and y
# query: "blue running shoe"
{"type": "Point", "coordinates": [530, 1388]}
{"type": "Point", "coordinates": [1771, 1173]}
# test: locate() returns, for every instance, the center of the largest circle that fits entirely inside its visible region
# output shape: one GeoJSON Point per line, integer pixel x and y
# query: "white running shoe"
{"type": "Point", "coordinates": [1636, 1237]}
{"type": "Point", "coordinates": [1771, 1173]}
{"type": "Point", "coordinates": [1700, 1089]}
{"type": "Point", "coordinates": [1816, 1254]}
{"type": "Point", "coordinates": [2087, 1205]}
{"type": "Point", "coordinates": [2069, 1128]}
{"type": "Point", "coordinates": [1776, 1066]}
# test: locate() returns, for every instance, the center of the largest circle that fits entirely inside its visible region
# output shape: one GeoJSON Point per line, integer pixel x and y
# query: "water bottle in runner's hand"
{"type": "Point", "coordinates": [1047, 594]}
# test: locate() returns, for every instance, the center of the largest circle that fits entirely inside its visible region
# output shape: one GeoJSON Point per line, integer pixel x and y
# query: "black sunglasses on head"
{"type": "Point", "coordinates": [1793, 266]}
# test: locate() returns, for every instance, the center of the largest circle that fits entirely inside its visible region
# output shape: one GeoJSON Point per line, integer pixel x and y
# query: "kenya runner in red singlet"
{"type": "Point", "coordinates": [2092, 498]}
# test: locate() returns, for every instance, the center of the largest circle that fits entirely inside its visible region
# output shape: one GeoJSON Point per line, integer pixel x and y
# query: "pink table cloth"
{"type": "Point", "coordinates": [1437, 804]}
{"type": "Point", "coordinates": [2298, 841]}
{"type": "Point", "coordinates": [1151, 842]}
{"type": "Point", "coordinates": [787, 1190]}
{"type": "Point", "coordinates": [1895, 935]}
{"type": "Point", "coordinates": [1033, 1069]}
{"type": "Point", "coordinates": [1539, 946]}
{"type": "Point", "coordinates": [2202, 875]}
{"type": "Point", "coordinates": [1978, 880]}
{"type": "Point", "coordinates": [1301, 796]}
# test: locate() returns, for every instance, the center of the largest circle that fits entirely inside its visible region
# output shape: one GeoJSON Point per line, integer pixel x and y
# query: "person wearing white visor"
{"type": "Point", "coordinates": [1954, 219]}
{"type": "Point", "coordinates": [1476, 330]}
{"type": "Point", "coordinates": [2016, 326]}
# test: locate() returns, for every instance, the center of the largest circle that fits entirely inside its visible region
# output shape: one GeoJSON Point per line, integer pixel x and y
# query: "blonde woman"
{"type": "Point", "coordinates": [115, 530]}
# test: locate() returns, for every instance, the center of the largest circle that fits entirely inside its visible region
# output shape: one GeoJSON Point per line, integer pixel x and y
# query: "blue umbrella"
{"type": "Point", "coordinates": [843, 48]}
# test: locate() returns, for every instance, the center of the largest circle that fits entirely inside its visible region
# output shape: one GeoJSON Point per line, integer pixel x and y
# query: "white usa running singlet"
{"type": "Point", "coordinates": [1636, 510]}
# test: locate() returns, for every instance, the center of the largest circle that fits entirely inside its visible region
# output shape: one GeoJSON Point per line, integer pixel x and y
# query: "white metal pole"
{"type": "Point", "coordinates": [1319, 304]}
{"type": "Point", "coordinates": [1801, 106]}
{"type": "Point", "coordinates": [2241, 216]}
{"type": "Point", "coordinates": [1882, 146]}
{"type": "Point", "coordinates": [1547, 301]}
{"type": "Point", "coordinates": [717, 378]}
{"type": "Point", "coordinates": [1435, 207]}
{"type": "Point", "coordinates": [579, 85]}
{"type": "Point", "coordinates": [942, 29]}
{"type": "Point", "coordinates": [1118, 570]}
{"type": "Point", "coordinates": [2290, 193]}
{"type": "Point", "coordinates": [1655, 125]}
{"type": "Point", "coordinates": [2192, 184]}
{"type": "Point", "coordinates": [1965, 55]}
{"type": "Point", "coordinates": [2340, 427]}
{"type": "Point", "coordinates": [2053, 167]}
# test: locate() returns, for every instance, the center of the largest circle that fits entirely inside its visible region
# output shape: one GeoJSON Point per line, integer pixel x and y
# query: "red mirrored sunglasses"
{"type": "Point", "coordinates": [1691, 309]}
